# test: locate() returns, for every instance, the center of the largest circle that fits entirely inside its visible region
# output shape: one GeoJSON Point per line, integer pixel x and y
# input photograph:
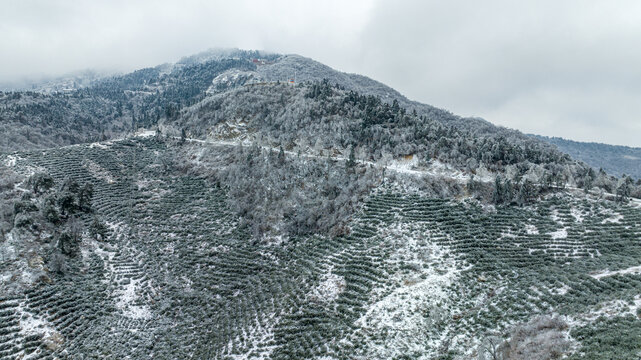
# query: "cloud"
{"type": "Point", "coordinates": [565, 68]}
{"type": "Point", "coordinates": [53, 37]}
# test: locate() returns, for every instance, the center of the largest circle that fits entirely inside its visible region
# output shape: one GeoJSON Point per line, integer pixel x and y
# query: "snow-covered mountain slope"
{"type": "Point", "coordinates": [234, 215]}
{"type": "Point", "coordinates": [180, 274]}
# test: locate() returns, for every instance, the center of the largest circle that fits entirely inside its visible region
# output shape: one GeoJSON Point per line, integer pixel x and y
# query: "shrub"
{"type": "Point", "coordinates": [40, 182]}
{"type": "Point", "coordinates": [22, 220]}
{"type": "Point", "coordinates": [97, 229]}
{"type": "Point", "coordinates": [542, 338]}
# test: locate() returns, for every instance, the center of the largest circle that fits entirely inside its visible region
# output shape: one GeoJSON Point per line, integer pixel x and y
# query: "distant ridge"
{"type": "Point", "coordinates": [614, 159]}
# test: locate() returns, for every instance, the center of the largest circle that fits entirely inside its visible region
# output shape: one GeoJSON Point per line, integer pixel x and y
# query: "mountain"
{"type": "Point", "coordinates": [616, 160]}
{"type": "Point", "coordinates": [117, 105]}
{"type": "Point", "coordinates": [213, 209]}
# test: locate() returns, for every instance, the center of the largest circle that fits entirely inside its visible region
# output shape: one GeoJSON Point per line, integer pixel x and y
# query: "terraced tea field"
{"type": "Point", "coordinates": [179, 276]}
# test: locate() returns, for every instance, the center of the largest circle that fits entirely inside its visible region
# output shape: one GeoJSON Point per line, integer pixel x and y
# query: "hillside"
{"type": "Point", "coordinates": [212, 209]}
{"type": "Point", "coordinates": [451, 274]}
{"type": "Point", "coordinates": [616, 160]}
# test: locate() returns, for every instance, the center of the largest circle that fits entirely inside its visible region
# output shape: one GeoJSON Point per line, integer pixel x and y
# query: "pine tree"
{"type": "Point", "coordinates": [497, 197]}
{"type": "Point", "coordinates": [351, 160]}
{"type": "Point", "coordinates": [281, 155]}
{"type": "Point", "coordinates": [97, 229]}
{"type": "Point", "coordinates": [183, 136]}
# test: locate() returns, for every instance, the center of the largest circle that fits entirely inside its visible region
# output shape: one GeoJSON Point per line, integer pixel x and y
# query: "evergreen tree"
{"type": "Point", "coordinates": [85, 194]}
{"type": "Point", "coordinates": [351, 160]}
{"type": "Point", "coordinates": [281, 155]}
{"type": "Point", "coordinates": [498, 195]}
{"type": "Point", "coordinates": [97, 229]}
{"type": "Point", "coordinates": [183, 136]}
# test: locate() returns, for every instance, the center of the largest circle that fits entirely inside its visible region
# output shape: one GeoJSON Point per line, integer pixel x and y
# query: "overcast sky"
{"type": "Point", "coordinates": [569, 68]}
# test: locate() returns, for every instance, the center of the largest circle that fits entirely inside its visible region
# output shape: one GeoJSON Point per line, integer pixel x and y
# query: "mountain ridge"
{"type": "Point", "coordinates": [615, 159]}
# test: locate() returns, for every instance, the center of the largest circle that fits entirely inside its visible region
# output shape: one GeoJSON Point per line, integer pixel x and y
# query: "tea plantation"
{"type": "Point", "coordinates": [179, 276]}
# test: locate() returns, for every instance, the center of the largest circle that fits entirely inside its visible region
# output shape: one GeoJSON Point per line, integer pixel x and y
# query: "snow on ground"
{"type": "Point", "coordinates": [10, 161]}
{"type": "Point", "coordinates": [577, 214]}
{"type": "Point", "coordinates": [31, 324]}
{"type": "Point", "coordinates": [403, 165]}
{"type": "Point", "coordinates": [231, 129]}
{"type": "Point", "coordinates": [531, 229]}
{"type": "Point", "coordinates": [34, 324]}
{"type": "Point", "coordinates": [418, 301]}
{"type": "Point", "coordinates": [106, 255]}
{"type": "Point", "coordinates": [438, 168]}
{"type": "Point", "coordinates": [607, 309]}
{"type": "Point", "coordinates": [329, 288]}
{"type": "Point", "coordinates": [8, 247]}
{"type": "Point", "coordinates": [127, 293]}
{"type": "Point", "coordinates": [118, 229]}
{"type": "Point", "coordinates": [99, 145]}
{"type": "Point", "coordinates": [433, 168]}
{"type": "Point", "coordinates": [614, 219]}
{"type": "Point", "coordinates": [257, 339]}
{"type": "Point", "coordinates": [143, 133]}
{"type": "Point", "coordinates": [411, 166]}
{"type": "Point", "coordinates": [506, 235]}
{"type": "Point", "coordinates": [27, 267]}
{"type": "Point", "coordinates": [559, 234]}
{"type": "Point", "coordinates": [152, 188]}
{"type": "Point", "coordinates": [98, 171]}
{"type": "Point", "coordinates": [231, 77]}
{"type": "Point", "coordinates": [127, 298]}
{"type": "Point", "coordinates": [561, 290]}
{"type": "Point", "coordinates": [606, 273]}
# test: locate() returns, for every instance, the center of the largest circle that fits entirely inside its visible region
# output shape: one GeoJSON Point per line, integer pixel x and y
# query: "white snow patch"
{"type": "Point", "coordinates": [98, 145]}
{"type": "Point", "coordinates": [630, 270]}
{"type": "Point", "coordinates": [329, 289]}
{"type": "Point", "coordinates": [231, 77]}
{"type": "Point", "coordinates": [117, 229]}
{"type": "Point", "coordinates": [222, 134]}
{"type": "Point", "coordinates": [555, 217]}
{"type": "Point", "coordinates": [408, 313]}
{"type": "Point", "coordinates": [10, 161]}
{"type": "Point", "coordinates": [151, 187]}
{"type": "Point", "coordinates": [577, 214]}
{"type": "Point", "coordinates": [614, 219]}
{"type": "Point", "coordinates": [561, 291]}
{"type": "Point", "coordinates": [608, 309]}
{"type": "Point", "coordinates": [98, 171]}
{"type": "Point", "coordinates": [433, 168]}
{"type": "Point", "coordinates": [507, 235]}
{"type": "Point", "coordinates": [127, 298]}
{"type": "Point", "coordinates": [559, 234]}
{"type": "Point", "coordinates": [531, 229]}
{"type": "Point", "coordinates": [145, 133]}
{"type": "Point", "coordinates": [31, 324]}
